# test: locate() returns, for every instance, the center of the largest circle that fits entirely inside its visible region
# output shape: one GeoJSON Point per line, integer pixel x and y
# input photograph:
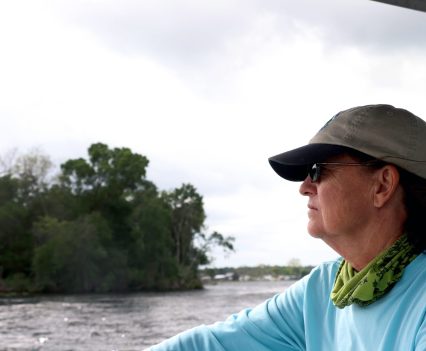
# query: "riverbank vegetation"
{"type": "Point", "coordinates": [99, 225]}
{"type": "Point", "coordinates": [262, 272]}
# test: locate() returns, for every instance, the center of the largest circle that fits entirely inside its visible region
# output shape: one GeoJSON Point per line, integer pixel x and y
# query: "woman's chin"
{"type": "Point", "coordinates": [314, 231]}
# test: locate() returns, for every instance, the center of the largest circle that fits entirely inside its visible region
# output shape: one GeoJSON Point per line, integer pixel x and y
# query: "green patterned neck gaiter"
{"type": "Point", "coordinates": [375, 280]}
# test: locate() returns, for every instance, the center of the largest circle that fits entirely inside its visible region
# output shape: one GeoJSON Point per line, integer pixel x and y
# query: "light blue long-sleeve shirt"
{"type": "Point", "coordinates": [304, 318]}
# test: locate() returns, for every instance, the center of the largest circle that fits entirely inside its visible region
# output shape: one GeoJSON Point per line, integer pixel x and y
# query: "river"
{"type": "Point", "coordinates": [126, 322]}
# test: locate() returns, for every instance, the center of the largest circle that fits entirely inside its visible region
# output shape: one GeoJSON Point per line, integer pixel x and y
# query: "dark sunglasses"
{"type": "Point", "coordinates": [314, 171]}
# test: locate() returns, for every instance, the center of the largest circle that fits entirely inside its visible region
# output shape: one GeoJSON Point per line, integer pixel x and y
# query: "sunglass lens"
{"type": "Point", "coordinates": [314, 173]}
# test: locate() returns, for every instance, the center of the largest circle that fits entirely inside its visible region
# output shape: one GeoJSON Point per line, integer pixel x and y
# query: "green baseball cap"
{"type": "Point", "coordinates": [390, 134]}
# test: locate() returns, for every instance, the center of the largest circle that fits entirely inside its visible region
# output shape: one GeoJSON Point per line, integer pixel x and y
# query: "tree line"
{"type": "Point", "coordinates": [259, 272]}
{"type": "Point", "coordinates": [99, 225]}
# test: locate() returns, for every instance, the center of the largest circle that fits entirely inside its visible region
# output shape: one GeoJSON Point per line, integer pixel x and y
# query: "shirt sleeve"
{"type": "Point", "coordinates": [421, 337]}
{"type": "Point", "coordinates": [276, 324]}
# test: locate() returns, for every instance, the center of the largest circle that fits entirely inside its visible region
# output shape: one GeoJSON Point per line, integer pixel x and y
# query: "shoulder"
{"type": "Point", "coordinates": [326, 269]}
{"type": "Point", "coordinates": [324, 274]}
{"type": "Point", "coordinates": [414, 276]}
{"type": "Point", "coordinates": [317, 285]}
{"type": "Point", "coordinates": [415, 272]}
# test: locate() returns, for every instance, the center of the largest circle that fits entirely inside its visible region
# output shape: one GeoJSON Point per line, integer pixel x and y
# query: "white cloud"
{"type": "Point", "coordinates": [190, 32]}
{"type": "Point", "coordinates": [207, 93]}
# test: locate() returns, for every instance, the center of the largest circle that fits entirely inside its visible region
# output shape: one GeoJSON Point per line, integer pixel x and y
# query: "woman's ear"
{"type": "Point", "coordinates": [386, 186]}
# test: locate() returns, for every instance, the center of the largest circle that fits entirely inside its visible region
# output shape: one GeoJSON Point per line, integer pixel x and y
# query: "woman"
{"type": "Point", "coordinates": [364, 174]}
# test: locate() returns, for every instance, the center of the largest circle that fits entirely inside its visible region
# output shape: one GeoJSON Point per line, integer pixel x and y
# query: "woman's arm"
{"type": "Point", "coordinates": [276, 324]}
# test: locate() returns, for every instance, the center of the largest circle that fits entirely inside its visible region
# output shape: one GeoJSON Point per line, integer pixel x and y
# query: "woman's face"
{"type": "Point", "coordinates": [341, 202]}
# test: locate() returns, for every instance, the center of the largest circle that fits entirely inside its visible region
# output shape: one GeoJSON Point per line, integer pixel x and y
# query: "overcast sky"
{"type": "Point", "coordinates": [207, 90]}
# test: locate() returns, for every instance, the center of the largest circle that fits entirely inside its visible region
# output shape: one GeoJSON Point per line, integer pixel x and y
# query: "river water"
{"type": "Point", "coordinates": [126, 322]}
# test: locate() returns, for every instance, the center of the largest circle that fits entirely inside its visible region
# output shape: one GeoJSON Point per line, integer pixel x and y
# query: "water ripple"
{"type": "Point", "coordinates": [127, 322]}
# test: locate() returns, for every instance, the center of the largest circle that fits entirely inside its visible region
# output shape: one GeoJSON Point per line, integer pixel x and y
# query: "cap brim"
{"type": "Point", "coordinates": [293, 165]}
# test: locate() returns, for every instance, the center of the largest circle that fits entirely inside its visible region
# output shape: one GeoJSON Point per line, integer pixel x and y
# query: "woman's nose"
{"type": "Point", "coordinates": [307, 187]}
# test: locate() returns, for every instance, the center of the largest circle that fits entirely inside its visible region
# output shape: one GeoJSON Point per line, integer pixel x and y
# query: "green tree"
{"type": "Point", "coordinates": [116, 171]}
{"type": "Point", "coordinates": [191, 245]}
{"type": "Point", "coordinates": [151, 256]}
{"type": "Point", "coordinates": [22, 187]}
{"type": "Point", "coordinates": [74, 257]}
{"type": "Point", "coordinates": [15, 241]}
{"type": "Point", "coordinates": [106, 183]}
{"type": "Point", "coordinates": [99, 226]}
{"type": "Point", "coordinates": [15, 236]}
{"type": "Point", "coordinates": [204, 244]}
{"type": "Point", "coordinates": [187, 219]}
{"type": "Point", "coordinates": [32, 171]}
